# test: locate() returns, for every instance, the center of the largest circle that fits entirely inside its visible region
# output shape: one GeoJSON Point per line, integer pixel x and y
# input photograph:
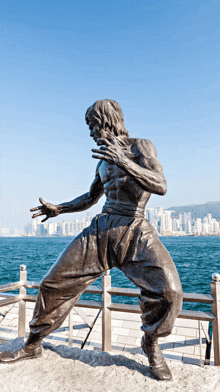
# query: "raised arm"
{"type": "Point", "coordinates": [81, 203]}
{"type": "Point", "coordinates": [140, 162]}
{"type": "Point", "coordinates": [148, 171]}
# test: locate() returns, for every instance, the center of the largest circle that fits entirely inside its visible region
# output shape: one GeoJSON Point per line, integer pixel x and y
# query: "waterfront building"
{"type": "Point", "coordinates": [28, 229]}
{"type": "Point", "coordinates": [214, 226]}
{"type": "Point", "coordinates": [160, 219]}
{"type": "Point", "coordinates": [165, 224]}
{"type": "Point", "coordinates": [168, 221]}
{"type": "Point", "coordinates": [63, 228]}
{"type": "Point", "coordinates": [5, 231]}
{"type": "Point", "coordinates": [176, 224]}
{"type": "Point", "coordinates": [41, 230]}
{"type": "Point", "coordinates": [51, 228]}
{"type": "Point", "coordinates": [209, 217]}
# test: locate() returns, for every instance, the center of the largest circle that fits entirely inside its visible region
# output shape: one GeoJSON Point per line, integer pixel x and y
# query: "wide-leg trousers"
{"type": "Point", "coordinates": [128, 243]}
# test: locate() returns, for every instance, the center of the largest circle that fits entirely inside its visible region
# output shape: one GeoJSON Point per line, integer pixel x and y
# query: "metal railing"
{"type": "Point", "coordinates": [107, 307]}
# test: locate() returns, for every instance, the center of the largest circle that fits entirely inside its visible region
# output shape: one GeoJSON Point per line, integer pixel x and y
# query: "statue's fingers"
{"type": "Point", "coordinates": [38, 214]}
{"type": "Point", "coordinates": [98, 151]}
{"type": "Point", "coordinates": [42, 201]}
{"type": "Point", "coordinates": [107, 152]}
{"type": "Point", "coordinates": [43, 220]}
{"type": "Point", "coordinates": [36, 208]}
{"type": "Point", "coordinates": [98, 156]}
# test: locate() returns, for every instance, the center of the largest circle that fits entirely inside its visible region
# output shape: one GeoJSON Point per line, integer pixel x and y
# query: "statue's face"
{"type": "Point", "coordinates": [96, 131]}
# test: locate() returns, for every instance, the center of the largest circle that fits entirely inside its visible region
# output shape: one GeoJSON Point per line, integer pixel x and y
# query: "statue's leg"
{"type": "Point", "coordinates": [76, 268]}
{"type": "Point", "coordinates": [160, 300]}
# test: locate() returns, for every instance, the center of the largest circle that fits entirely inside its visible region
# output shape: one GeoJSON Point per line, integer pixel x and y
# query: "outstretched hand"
{"type": "Point", "coordinates": [50, 210]}
{"type": "Point", "coordinates": [110, 151]}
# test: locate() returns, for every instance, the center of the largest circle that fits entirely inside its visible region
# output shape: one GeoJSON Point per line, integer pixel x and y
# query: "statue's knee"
{"type": "Point", "coordinates": [43, 283]}
{"type": "Point", "coordinates": [176, 298]}
{"type": "Point", "coordinates": [174, 295]}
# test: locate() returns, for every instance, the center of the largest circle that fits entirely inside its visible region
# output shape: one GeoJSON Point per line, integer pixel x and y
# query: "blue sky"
{"type": "Point", "coordinates": [159, 60]}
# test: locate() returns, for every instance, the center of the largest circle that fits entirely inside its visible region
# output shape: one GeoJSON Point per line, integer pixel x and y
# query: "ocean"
{"type": "Point", "coordinates": [196, 258]}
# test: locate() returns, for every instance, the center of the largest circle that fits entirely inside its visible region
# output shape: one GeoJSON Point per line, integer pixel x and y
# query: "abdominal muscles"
{"type": "Point", "coordinates": [120, 187]}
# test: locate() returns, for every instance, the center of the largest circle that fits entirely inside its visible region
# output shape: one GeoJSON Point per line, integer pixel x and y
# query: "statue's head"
{"type": "Point", "coordinates": [108, 115]}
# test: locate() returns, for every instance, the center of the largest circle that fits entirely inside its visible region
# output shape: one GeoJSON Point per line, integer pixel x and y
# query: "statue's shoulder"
{"type": "Point", "coordinates": [143, 147]}
{"type": "Point", "coordinates": [98, 166]}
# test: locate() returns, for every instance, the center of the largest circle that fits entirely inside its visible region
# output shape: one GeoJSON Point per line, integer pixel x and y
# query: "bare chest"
{"type": "Point", "coordinates": [109, 172]}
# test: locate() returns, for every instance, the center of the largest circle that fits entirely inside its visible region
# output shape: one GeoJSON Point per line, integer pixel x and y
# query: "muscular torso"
{"type": "Point", "coordinates": [128, 174]}
{"type": "Point", "coordinates": [120, 187]}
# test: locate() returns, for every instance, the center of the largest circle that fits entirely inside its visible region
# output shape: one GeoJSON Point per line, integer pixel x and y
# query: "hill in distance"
{"type": "Point", "coordinates": [198, 210]}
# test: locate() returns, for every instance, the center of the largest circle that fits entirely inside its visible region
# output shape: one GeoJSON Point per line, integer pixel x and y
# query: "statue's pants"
{"type": "Point", "coordinates": [128, 243]}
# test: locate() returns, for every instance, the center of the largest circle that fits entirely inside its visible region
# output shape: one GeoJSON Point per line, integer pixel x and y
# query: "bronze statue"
{"type": "Point", "coordinates": [128, 172]}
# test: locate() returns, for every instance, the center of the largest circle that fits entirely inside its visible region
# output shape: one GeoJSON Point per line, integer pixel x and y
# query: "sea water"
{"type": "Point", "coordinates": [196, 258]}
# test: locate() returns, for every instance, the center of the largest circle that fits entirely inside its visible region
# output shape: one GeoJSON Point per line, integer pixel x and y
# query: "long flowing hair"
{"type": "Point", "coordinates": [108, 114]}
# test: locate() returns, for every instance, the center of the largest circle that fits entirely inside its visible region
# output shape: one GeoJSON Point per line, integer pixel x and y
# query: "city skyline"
{"type": "Point", "coordinates": [158, 60]}
{"type": "Point", "coordinates": [161, 220]}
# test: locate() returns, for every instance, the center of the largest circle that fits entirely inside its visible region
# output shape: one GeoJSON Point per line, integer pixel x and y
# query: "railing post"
{"type": "Point", "coordinates": [22, 304]}
{"type": "Point", "coordinates": [70, 337]}
{"type": "Point", "coordinates": [106, 313]}
{"type": "Point", "coordinates": [215, 292]}
{"type": "Point", "coordinates": [200, 342]}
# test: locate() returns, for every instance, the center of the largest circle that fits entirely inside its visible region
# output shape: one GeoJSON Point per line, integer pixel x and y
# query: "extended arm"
{"type": "Point", "coordinates": [81, 203]}
{"type": "Point", "coordinates": [85, 201]}
{"type": "Point", "coordinates": [147, 172]}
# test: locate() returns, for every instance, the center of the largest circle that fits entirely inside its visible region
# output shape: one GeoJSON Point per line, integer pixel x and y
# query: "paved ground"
{"type": "Point", "coordinates": [64, 369]}
{"type": "Point", "coordinates": [182, 345]}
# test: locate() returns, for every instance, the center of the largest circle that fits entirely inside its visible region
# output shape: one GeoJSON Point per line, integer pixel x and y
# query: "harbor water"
{"type": "Point", "coordinates": [196, 258]}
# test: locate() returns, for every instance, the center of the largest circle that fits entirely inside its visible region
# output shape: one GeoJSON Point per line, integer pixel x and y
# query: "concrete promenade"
{"type": "Point", "coordinates": [182, 345]}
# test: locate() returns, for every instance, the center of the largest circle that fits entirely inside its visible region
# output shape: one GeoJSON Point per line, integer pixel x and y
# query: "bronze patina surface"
{"type": "Point", "coordinates": [128, 172]}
